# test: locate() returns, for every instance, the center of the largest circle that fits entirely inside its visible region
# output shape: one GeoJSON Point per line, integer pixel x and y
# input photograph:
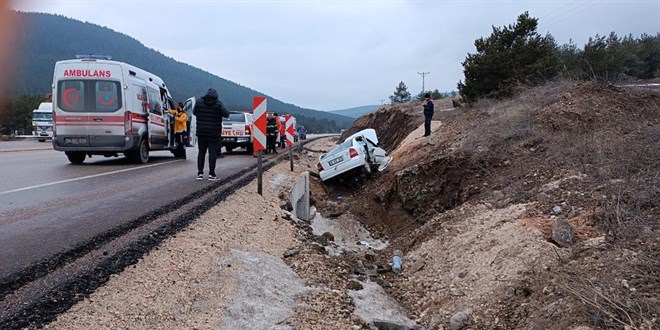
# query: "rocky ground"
{"type": "Point", "coordinates": [506, 217]}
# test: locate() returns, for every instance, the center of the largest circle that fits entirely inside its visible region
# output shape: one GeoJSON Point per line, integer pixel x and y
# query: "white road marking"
{"type": "Point", "coordinates": [86, 177]}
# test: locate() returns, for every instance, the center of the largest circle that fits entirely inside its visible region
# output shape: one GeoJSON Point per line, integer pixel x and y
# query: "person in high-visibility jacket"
{"type": "Point", "coordinates": [282, 122]}
{"type": "Point", "coordinates": [180, 123]}
{"type": "Point", "coordinates": [280, 127]}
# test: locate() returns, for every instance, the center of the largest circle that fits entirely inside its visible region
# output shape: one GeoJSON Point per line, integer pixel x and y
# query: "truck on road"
{"type": "Point", "coordinates": [42, 122]}
{"type": "Point", "coordinates": [237, 132]}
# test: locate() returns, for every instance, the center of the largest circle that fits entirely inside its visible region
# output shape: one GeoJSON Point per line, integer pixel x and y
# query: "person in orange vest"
{"type": "Point", "coordinates": [282, 131]}
{"type": "Point", "coordinates": [280, 127]}
{"type": "Point", "coordinates": [180, 122]}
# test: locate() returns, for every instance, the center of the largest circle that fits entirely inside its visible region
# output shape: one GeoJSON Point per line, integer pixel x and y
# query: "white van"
{"type": "Point", "coordinates": [104, 107]}
{"type": "Point", "coordinates": [42, 121]}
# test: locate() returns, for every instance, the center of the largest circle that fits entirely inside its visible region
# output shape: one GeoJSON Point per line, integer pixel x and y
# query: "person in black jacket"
{"type": "Point", "coordinates": [271, 133]}
{"type": "Point", "coordinates": [428, 113]}
{"type": "Point", "coordinates": [209, 112]}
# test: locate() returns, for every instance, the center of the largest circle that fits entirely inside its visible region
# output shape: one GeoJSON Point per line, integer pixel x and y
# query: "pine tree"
{"type": "Point", "coordinates": [511, 55]}
{"type": "Point", "coordinates": [401, 94]}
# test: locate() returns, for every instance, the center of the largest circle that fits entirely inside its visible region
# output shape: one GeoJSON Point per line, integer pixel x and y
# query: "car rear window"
{"type": "Point", "coordinates": [236, 117]}
{"type": "Point", "coordinates": [89, 95]}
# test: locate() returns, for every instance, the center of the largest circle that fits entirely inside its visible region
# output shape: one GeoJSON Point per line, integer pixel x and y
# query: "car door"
{"type": "Point", "coordinates": [71, 117]}
{"type": "Point", "coordinates": [188, 106]}
{"type": "Point", "coordinates": [156, 131]}
{"type": "Point", "coordinates": [106, 113]}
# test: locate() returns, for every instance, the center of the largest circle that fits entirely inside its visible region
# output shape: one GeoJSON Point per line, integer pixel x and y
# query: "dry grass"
{"type": "Point", "coordinates": [611, 137]}
{"type": "Point", "coordinates": [628, 298]}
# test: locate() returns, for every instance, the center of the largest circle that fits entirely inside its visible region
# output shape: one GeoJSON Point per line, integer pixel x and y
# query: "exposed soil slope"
{"type": "Point", "coordinates": [481, 206]}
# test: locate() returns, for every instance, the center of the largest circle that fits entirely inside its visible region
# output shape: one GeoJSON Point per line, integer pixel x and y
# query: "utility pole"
{"type": "Point", "coordinates": [423, 74]}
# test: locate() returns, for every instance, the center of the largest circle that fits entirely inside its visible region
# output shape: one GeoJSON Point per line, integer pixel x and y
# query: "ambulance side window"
{"type": "Point", "coordinates": [155, 105]}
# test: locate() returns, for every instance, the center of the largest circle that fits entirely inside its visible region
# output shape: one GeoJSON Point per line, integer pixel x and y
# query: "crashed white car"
{"type": "Point", "coordinates": [359, 152]}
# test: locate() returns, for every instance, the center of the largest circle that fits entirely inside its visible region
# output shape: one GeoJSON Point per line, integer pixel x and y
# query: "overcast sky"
{"type": "Point", "coordinates": [330, 55]}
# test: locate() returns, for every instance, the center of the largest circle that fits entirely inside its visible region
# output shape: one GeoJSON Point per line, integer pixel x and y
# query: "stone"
{"type": "Point", "coordinates": [417, 266]}
{"type": "Point", "coordinates": [543, 197]}
{"type": "Point", "coordinates": [354, 285]}
{"type": "Point", "coordinates": [562, 233]}
{"type": "Point", "coordinates": [456, 292]}
{"type": "Point", "coordinates": [291, 253]}
{"type": "Point", "coordinates": [462, 273]}
{"type": "Point", "coordinates": [556, 210]}
{"type": "Point", "coordinates": [389, 325]}
{"type": "Point", "coordinates": [459, 321]}
{"type": "Point", "coordinates": [328, 236]}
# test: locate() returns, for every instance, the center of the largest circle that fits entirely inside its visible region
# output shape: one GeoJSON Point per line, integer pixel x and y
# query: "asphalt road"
{"type": "Point", "coordinates": [48, 205]}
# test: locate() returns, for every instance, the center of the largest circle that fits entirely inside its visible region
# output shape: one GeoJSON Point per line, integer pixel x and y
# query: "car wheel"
{"type": "Point", "coordinates": [141, 155]}
{"type": "Point", "coordinates": [75, 157]}
{"type": "Point", "coordinates": [366, 169]}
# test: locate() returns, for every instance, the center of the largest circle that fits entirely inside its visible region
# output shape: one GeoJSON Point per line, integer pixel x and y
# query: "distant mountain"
{"type": "Point", "coordinates": [46, 39]}
{"type": "Point", "coordinates": [356, 112]}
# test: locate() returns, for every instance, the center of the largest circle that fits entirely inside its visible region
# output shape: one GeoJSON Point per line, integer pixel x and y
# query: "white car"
{"type": "Point", "coordinates": [359, 152]}
{"type": "Point", "coordinates": [237, 131]}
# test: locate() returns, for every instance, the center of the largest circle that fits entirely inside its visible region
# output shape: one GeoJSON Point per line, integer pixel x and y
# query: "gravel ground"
{"type": "Point", "coordinates": [233, 268]}
{"type": "Point", "coordinates": [192, 278]}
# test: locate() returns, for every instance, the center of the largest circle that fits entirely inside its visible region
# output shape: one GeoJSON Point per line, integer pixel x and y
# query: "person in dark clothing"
{"type": "Point", "coordinates": [271, 134]}
{"type": "Point", "coordinates": [209, 111]}
{"type": "Point", "coordinates": [428, 114]}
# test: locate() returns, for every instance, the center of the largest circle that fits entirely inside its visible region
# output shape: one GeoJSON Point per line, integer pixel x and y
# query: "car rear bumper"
{"type": "Point", "coordinates": [234, 142]}
{"type": "Point", "coordinates": [95, 144]}
{"type": "Point", "coordinates": [342, 168]}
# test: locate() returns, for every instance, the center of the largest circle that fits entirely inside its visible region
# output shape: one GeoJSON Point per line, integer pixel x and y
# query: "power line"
{"type": "Point", "coordinates": [576, 11]}
{"type": "Point", "coordinates": [557, 11]}
{"type": "Point", "coordinates": [423, 74]}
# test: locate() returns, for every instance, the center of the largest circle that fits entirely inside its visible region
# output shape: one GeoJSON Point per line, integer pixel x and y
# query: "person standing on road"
{"type": "Point", "coordinates": [428, 113]}
{"type": "Point", "coordinates": [180, 121]}
{"type": "Point", "coordinates": [271, 133]}
{"type": "Point", "coordinates": [209, 111]}
{"type": "Point", "coordinates": [278, 125]}
{"type": "Point", "coordinates": [282, 131]}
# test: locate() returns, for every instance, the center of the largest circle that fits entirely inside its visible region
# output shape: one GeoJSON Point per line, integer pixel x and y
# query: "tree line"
{"type": "Point", "coordinates": [517, 55]}
{"type": "Point", "coordinates": [46, 39]}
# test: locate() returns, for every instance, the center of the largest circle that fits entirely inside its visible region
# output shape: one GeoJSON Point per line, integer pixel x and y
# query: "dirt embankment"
{"type": "Point", "coordinates": [511, 211]}
{"type": "Point", "coordinates": [508, 216]}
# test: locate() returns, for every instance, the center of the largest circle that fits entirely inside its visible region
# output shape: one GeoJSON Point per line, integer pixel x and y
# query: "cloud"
{"type": "Point", "coordinates": [339, 54]}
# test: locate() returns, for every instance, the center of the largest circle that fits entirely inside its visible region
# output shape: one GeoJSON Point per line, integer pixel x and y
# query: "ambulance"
{"type": "Point", "coordinates": [104, 107]}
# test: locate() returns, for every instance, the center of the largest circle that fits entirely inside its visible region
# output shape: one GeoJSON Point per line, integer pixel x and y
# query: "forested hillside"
{"type": "Point", "coordinates": [356, 112]}
{"type": "Point", "coordinates": [47, 38]}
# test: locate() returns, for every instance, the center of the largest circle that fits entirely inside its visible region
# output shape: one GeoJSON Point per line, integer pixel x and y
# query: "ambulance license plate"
{"type": "Point", "coordinates": [336, 161]}
{"type": "Point", "coordinates": [75, 141]}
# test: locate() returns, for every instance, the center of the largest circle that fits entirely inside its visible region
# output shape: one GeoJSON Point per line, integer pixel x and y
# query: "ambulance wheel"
{"type": "Point", "coordinates": [250, 149]}
{"type": "Point", "coordinates": [141, 155]}
{"type": "Point", "coordinates": [229, 149]}
{"type": "Point", "coordinates": [75, 157]}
